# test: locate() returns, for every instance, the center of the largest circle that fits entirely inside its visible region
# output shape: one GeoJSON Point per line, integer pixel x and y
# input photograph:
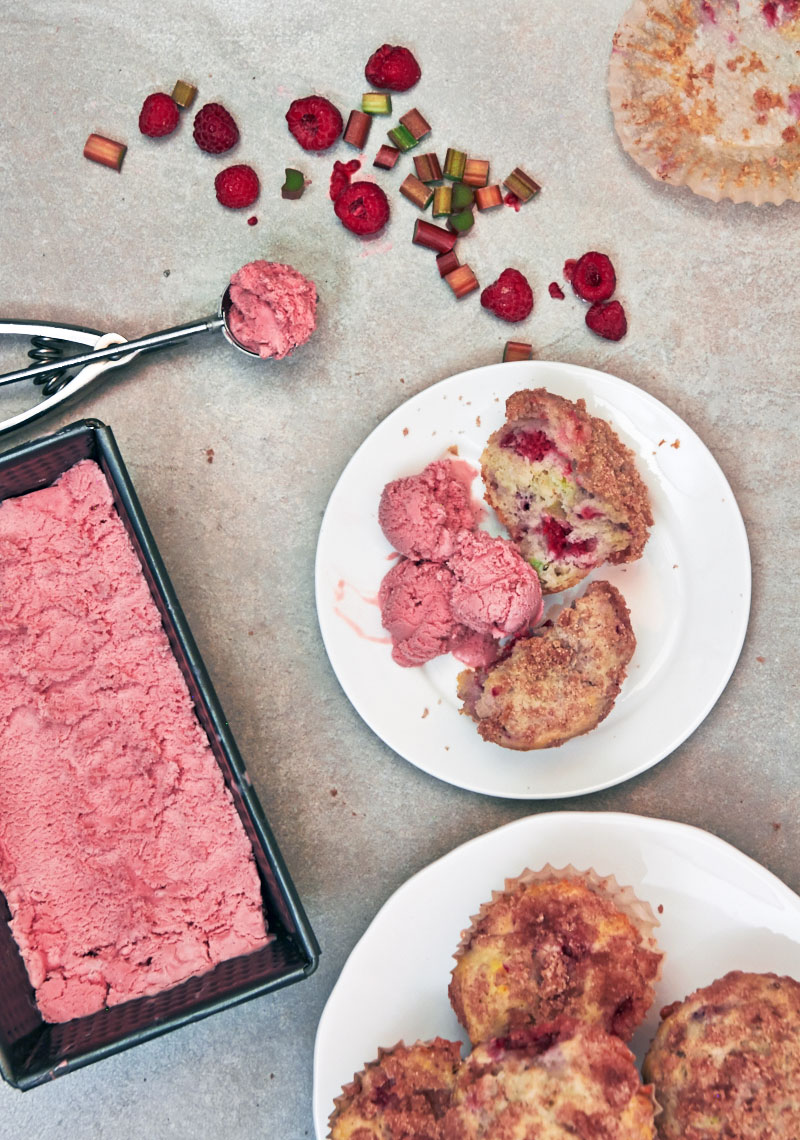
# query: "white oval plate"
{"type": "Point", "coordinates": [721, 911]}
{"type": "Point", "coordinates": [689, 595]}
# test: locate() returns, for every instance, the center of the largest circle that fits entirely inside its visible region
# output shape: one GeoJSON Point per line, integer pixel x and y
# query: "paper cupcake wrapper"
{"type": "Point", "coordinates": [706, 93]}
{"type": "Point", "coordinates": [352, 1088]}
{"type": "Point", "coordinates": [623, 898]}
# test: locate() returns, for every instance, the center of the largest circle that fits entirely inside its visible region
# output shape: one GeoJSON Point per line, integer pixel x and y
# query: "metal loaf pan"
{"type": "Point", "coordinates": [32, 1050]}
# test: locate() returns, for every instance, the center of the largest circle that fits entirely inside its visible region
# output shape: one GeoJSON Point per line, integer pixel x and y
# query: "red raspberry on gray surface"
{"type": "Point", "coordinates": [237, 186]}
{"type": "Point", "coordinates": [510, 297]}
{"type": "Point", "coordinates": [362, 208]}
{"type": "Point", "coordinates": [159, 115]}
{"type": "Point", "coordinates": [593, 277]}
{"type": "Point", "coordinates": [314, 122]}
{"type": "Point", "coordinates": [214, 129]}
{"type": "Point", "coordinates": [392, 67]}
{"type": "Point", "coordinates": [607, 320]}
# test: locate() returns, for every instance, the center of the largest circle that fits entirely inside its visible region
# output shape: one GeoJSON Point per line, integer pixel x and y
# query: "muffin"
{"type": "Point", "coordinates": [559, 682]}
{"type": "Point", "coordinates": [563, 1078]}
{"type": "Point", "coordinates": [566, 488]}
{"type": "Point", "coordinates": [401, 1096]}
{"type": "Point", "coordinates": [553, 943]}
{"type": "Point", "coordinates": [726, 1061]}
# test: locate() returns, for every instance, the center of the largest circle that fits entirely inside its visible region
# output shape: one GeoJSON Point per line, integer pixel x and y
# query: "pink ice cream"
{"type": "Point", "coordinates": [273, 308]}
{"type": "Point", "coordinates": [124, 863]}
{"type": "Point", "coordinates": [495, 590]}
{"type": "Point", "coordinates": [422, 514]}
{"type": "Point", "coordinates": [415, 608]}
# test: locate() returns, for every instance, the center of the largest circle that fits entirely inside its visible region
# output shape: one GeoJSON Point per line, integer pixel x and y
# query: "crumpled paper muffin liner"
{"type": "Point", "coordinates": [706, 93]}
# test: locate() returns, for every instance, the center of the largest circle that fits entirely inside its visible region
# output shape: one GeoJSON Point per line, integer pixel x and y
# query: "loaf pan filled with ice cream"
{"type": "Point", "coordinates": [140, 885]}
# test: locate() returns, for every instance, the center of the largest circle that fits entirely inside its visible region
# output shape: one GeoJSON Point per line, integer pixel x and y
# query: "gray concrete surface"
{"type": "Point", "coordinates": [711, 293]}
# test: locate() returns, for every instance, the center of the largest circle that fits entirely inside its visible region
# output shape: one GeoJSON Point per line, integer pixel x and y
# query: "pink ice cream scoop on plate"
{"type": "Point", "coordinates": [272, 309]}
{"type": "Point", "coordinates": [415, 608]}
{"type": "Point", "coordinates": [421, 515]}
{"type": "Point", "coordinates": [495, 590]}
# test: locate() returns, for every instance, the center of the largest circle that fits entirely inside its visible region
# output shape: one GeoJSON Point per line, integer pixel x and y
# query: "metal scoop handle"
{"type": "Point", "coordinates": [131, 347]}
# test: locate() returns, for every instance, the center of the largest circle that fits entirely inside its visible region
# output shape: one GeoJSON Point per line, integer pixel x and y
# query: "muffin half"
{"type": "Point", "coordinates": [566, 488]}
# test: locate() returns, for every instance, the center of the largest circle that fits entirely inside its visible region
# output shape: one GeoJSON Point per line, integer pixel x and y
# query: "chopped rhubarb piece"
{"type": "Point", "coordinates": [488, 197]}
{"type": "Point", "coordinates": [476, 172]}
{"type": "Point", "coordinates": [433, 237]}
{"type": "Point", "coordinates": [454, 163]}
{"type": "Point", "coordinates": [414, 122]}
{"type": "Point", "coordinates": [462, 221]}
{"type": "Point", "coordinates": [416, 191]}
{"type": "Point", "coordinates": [521, 184]}
{"type": "Point", "coordinates": [105, 151]}
{"type": "Point", "coordinates": [555, 291]}
{"type": "Point", "coordinates": [428, 168]}
{"type": "Point", "coordinates": [357, 129]}
{"type": "Point", "coordinates": [463, 196]}
{"type": "Point", "coordinates": [402, 138]}
{"type": "Point", "coordinates": [183, 93]}
{"type": "Point", "coordinates": [386, 157]}
{"type": "Point", "coordinates": [462, 281]}
{"type": "Point", "coordinates": [442, 201]}
{"type": "Point", "coordinates": [376, 103]}
{"type": "Point", "coordinates": [517, 350]}
{"type": "Point", "coordinates": [294, 185]}
{"type": "Point", "coordinates": [447, 262]}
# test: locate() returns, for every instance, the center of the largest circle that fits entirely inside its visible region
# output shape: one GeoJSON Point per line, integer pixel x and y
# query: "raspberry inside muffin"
{"type": "Point", "coordinates": [558, 683]}
{"type": "Point", "coordinates": [726, 1061]}
{"type": "Point", "coordinates": [549, 948]}
{"type": "Point", "coordinates": [556, 1080]}
{"type": "Point", "coordinates": [566, 488]}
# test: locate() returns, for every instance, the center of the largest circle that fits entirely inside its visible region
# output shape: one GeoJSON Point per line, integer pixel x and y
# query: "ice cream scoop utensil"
{"type": "Point", "coordinates": [106, 350]}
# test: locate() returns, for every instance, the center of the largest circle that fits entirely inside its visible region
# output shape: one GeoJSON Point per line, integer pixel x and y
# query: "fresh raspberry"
{"type": "Point", "coordinates": [555, 291]}
{"type": "Point", "coordinates": [607, 320]}
{"type": "Point", "coordinates": [392, 67]}
{"type": "Point", "coordinates": [593, 277]}
{"type": "Point", "coordinates": [510, 297]}
{"type": "Point", "coordinates": [214, 129]}
{"type": "Point", "coordinates": [340, 178]}
{"type": "Point", "coordinates": [237, 186]}
{"type": "Point", "coordinates": [314, 122]}
{"type": "Point", "coordinates": [362, 208]}
{"type": "Point", "coordinates": [159, 115]}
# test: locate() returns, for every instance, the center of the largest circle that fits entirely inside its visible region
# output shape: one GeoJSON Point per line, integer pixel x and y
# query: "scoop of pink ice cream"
{"type": "Point", "coordinates": [477, 650]}
{"type": "Point", "coordinates": [422, 514]}
{"type": "Point", "coordinates": [495, 590]}
{"type": "Point", "coordinates": [415, 608]}
{"type": "Point", "coordinates": [273, 308]}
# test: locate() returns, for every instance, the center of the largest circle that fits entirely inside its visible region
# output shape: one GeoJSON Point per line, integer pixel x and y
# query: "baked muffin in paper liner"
{"type": "Point", "coordinates": [706, 93]}
{"type": "Point", "coordinates": [405, 1092]}
{"type": "Point", "coordinates": [557, 942]}
{"type": "Point", "coordinates": [548, 1081]}
{"type": "Point", "coordinates": [726, 1060]}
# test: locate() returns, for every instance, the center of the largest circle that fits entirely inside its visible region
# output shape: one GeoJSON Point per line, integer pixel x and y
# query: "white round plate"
{"type": "Point", "coordinates": [689, 595]}
{"type": "Point", "coordinates": [721, 911]}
